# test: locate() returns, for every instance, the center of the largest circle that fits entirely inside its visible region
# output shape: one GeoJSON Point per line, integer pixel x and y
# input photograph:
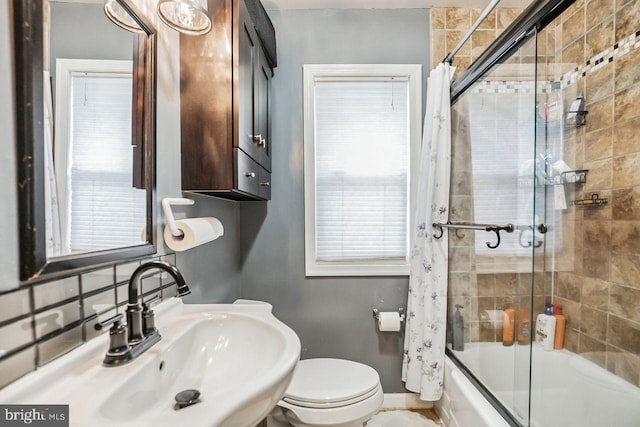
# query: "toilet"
{"type": "Point", "coordinates": [329, 393]}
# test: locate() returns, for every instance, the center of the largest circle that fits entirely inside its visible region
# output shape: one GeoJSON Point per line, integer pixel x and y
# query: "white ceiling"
{"type": "Point", "coordinates": [385, 4]}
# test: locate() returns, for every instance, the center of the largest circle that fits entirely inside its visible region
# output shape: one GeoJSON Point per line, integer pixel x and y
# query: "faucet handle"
{"type": "Point", "coordinates": [118, 344]}
{"type": "Point", "coordinates": [149, 317]}
{"type": "Point", "coordinates": [149, 303]}
{"type": "Point", "coordinates": [115, 320]}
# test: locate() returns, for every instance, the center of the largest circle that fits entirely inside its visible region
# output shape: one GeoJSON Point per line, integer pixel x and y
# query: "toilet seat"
{"type": "Point", "coordinates": [332, 392]}
{"type": "Point", "coordinates": [329, 405]}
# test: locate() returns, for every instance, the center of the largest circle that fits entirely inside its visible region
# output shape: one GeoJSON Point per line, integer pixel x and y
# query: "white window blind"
{"type": "Point", "coordinates": [362, 169]}
{"type": "Point", "coordinates": [104, 210]}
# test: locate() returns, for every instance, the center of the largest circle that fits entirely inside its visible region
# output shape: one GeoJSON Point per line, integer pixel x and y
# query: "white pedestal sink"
{"type": "Point", "coordinates": [238, 356]}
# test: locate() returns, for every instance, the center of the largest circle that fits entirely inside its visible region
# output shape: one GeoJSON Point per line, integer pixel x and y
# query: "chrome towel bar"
{"type": "Point", "coordinates": [486, 227]}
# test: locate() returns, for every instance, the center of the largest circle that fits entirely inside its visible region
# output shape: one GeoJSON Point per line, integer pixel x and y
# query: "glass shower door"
{"type": "Point", "coordinates": [495, 168]}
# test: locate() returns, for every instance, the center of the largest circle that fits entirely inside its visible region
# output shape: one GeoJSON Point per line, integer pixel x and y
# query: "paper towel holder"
{"type": "Point", "coordinates": [168, 213]}
{"type": "Point", "coordinates": [376, 314]}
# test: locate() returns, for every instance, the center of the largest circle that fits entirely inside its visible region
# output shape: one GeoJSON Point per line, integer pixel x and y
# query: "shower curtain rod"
{"type": "Point", "coordinates": [487, 10]}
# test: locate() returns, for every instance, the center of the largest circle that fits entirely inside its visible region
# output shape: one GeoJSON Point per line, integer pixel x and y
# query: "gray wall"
{"type": "Point", "coordinates": [82, 31]}
{"type": "Point", "coordinates": [332, 316]}
{"type": "Point", "coordinates": [213, 268]}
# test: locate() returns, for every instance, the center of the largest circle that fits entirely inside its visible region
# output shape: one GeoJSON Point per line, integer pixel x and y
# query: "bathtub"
{"type": "Point", "coordinates": [566, 390]}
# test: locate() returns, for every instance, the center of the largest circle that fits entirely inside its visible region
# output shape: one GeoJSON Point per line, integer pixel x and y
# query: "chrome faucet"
{"type": "Point", "coordinates": [130, 341]}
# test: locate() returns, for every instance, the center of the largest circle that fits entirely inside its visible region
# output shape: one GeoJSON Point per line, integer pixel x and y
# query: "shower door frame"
{"type": "Point", "coordinates": [528, 24]}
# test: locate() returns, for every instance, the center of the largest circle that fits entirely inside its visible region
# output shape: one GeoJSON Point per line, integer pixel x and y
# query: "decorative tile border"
{"type": "Point", "coordinates": [601, 60]}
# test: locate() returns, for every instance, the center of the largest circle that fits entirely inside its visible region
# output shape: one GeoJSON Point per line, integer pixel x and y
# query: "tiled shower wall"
{"type": "Point", "coordinates": [597, 53]}
{"type": "Point", "coordinates": [450, 24]}
{"type": "Point", "coordinates": [39, 322]}
{"type": "Point", "coordinates": [593, 49]}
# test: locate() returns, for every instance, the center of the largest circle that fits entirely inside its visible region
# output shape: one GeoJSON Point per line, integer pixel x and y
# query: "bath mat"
{"type": "Point", "coordinates": [400, 419]}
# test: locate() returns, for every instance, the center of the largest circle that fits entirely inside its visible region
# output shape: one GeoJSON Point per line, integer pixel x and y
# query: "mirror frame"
{"type": "Point", "coordinates": [28, 66]}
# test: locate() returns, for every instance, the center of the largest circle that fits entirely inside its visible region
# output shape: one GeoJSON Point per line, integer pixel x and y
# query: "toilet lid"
{"type": "Point", "coordinates": [326, 381]}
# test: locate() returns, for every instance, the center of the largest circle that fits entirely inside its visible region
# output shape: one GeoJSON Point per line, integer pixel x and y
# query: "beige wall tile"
{"type": "Point", "coordinates": [600, 114]}
{"type": "Point", "coordinates": [625, 204]}
{"type": "Point", "coordinates": [592, 350]}
{"type": "Point", "coordinates": [625, 237]}
{"type": "Point", "coordinates": [628, 19]}
{"type": "Point", "coordinates": [458, 18]}
{"type": "Point", "coordinates": [598, 144]}
{"type": "Point", "coordinates": [627, 103]}
{"type": "Point", "coordinates": [623, 334]}
{"type": "Point", "coordinates": [597, 10]}
{"type": "Point", "coordinates": [625, 302]}
{"type": "Point", "coordinates": [599, 39]}
{"type": "Point", "coordinates": [595, 293]}
{"type": "Point", "coordinates": [626, 171]}
{"type": "Point", "coordinates": [595, 263]}
{"type": "Point", "coordinates": [569, 286]}
{"type": "Point", "coordinates": [599, 177]}
{"type": "Point", "coordinates": [573, 56]}
{"type": "Point", "coordinates": [437, 16]}
{"type": "Point", "coordinates": [593, 323]}
{"type": "Point", "coordinates": [627, 70]}
{"type": "Point", "coordinates": [489, 23]}
{"type": "Point", "coordinates": [453, 37]}
{"type": "Point", "coordinates": [480, 40]}
{"type": "Point", "coordinates": [625, 269]}
{"type": "Point", "coordinates": [624, 137]}
{"type": "Point", "coordinates": [573, 27]}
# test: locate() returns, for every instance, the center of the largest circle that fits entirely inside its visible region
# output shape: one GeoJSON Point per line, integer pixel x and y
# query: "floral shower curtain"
{"type": "Point", "coordinates": [425, 338]}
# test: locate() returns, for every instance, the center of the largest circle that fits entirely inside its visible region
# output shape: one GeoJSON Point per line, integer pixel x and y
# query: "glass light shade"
{"type": "Point", "coordinates": [185, 16]}
{"type": "Point", "coordinates": [119, 16]}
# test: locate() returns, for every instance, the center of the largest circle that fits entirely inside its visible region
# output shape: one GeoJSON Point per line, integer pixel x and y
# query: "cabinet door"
{"type": "Point", "coordinates": [247, 139]}
{"type": "Point", "coordinates": [261, 109]}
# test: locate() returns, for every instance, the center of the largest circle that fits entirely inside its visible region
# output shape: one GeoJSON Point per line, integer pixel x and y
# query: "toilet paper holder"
{"type": "Point", "coordinates": [376, 314]}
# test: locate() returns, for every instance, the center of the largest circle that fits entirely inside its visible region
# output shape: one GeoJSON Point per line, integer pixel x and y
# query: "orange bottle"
{"type": "Point", "coordinates": [524, 326]}
{"type": "Point", "coordinates": [561, 322]}
{"type": "Point", "coordinates": [508, 327]}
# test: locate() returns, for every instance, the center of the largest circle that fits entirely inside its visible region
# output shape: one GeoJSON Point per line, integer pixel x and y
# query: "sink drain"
{"type": "Point", "coordinates": [186, 398]}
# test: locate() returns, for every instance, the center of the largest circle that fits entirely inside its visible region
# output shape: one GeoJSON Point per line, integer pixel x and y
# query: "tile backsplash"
{"type": "Point", "coordinates": [40, 322]}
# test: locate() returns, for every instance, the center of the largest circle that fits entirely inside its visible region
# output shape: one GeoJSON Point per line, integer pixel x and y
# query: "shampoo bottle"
{"type": "Point", "coordinates": [508, 327]}
{"type": "Point", "coordinates": [458, 329]}
{"type": "Point", "coordinates": [561, 322]}
{"type": "Point", "coordinates": [546, 328]}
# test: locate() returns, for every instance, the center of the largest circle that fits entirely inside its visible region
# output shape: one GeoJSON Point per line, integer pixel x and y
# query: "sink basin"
{"type": "Point", "coordinates": [238, 356]}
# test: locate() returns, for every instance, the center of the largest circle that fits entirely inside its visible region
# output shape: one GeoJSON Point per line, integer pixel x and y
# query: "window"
{"type": "Point", "coordinates": [99, 207]}
{"type": "Point", "coordinates": [362, 129]}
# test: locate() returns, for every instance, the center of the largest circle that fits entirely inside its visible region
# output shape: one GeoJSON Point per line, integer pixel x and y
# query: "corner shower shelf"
{"type": "Point", "coordinates": [593, 201]}
{"type": "Point", "coordinates": [578, 176]}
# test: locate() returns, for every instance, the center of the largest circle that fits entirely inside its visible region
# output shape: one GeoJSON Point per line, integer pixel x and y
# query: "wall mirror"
{"type": "Point", "coordinates": [85, 102]}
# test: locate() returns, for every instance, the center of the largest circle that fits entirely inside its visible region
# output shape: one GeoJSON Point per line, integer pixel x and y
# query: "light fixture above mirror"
{"type": "Point", "coordinates": [121, 17]}
{"type": "Point", "coordinates": [185, 16]}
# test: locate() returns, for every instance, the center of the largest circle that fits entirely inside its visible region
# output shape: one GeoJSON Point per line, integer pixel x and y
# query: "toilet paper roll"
{"type": "Point", "coordinates": [389, 321]}
{"type": "Point", "coordinates": [197, 231]}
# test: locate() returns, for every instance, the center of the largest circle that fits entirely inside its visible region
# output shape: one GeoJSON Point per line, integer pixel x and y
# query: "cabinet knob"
{"type": "Point", "coordinates": [263, 142]}
{"type": "Point", "coordinates": [250, 174]}
{"type": "Point", "coordinates": [265, 184]}
{"type": "Point", "coordinates": [257, 138]}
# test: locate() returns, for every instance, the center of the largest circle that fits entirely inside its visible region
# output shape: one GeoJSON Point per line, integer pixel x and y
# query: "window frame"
{"type": "Point", "coordinates": [311, 72]}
